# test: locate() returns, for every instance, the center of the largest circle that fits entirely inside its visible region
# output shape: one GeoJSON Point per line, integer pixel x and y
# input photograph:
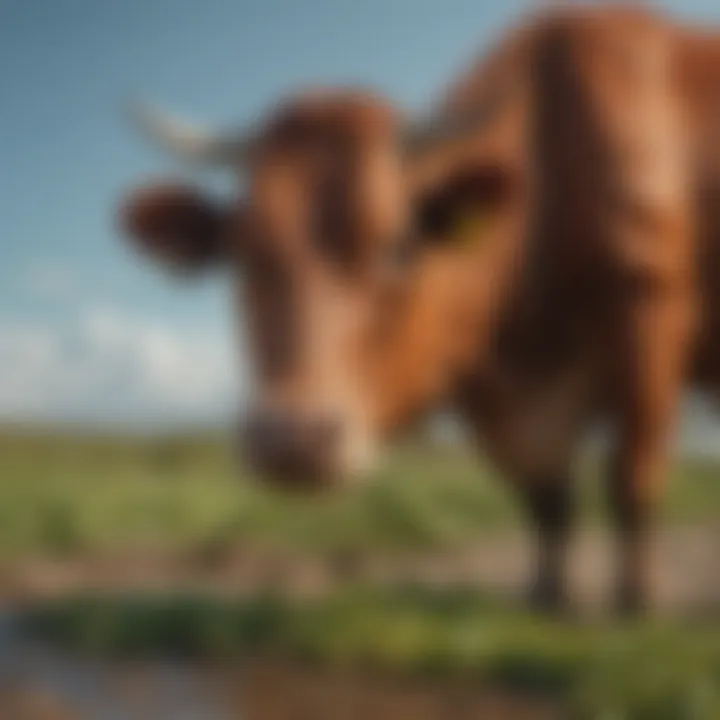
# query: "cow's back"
{"type": "Point", "coordinates": [619, 106]}
{"type": "Point", "coordinates": [608, 163]}
{"type": "Point", "coordinates": [700, 77]}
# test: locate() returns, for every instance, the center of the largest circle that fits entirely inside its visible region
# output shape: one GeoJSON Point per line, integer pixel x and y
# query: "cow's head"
{"type": "Point", "coordinates": [328, 241]}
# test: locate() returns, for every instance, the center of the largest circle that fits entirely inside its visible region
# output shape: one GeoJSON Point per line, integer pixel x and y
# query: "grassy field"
{"type": "Point", "coordinates": [71, 496]}
{"type": "Point", "coordinates": [645, 671]}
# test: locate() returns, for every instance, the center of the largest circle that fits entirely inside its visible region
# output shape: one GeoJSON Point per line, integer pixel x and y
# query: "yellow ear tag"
{"type": "Point", "coordinates": [470, 227]}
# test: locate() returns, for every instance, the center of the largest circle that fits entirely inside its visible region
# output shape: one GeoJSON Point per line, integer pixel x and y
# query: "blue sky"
{"type": "Point", "coordinates": [76, 309]}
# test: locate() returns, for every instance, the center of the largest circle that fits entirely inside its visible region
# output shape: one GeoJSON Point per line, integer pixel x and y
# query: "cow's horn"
{"type": "Point", "coordinates": [188, 141]}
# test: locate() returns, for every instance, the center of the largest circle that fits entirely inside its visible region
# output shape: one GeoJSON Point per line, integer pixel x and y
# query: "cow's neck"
{"type": "Point", "coordinates": [443, 327]}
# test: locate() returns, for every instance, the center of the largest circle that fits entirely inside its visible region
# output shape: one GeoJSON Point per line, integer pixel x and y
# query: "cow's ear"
{"type": "Point", "coordinates": [461, 207]}
{"type": "Point", "coordinates": [175, 225]}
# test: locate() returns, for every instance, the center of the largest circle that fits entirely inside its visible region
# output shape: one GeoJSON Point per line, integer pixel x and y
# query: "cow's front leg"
{"type": "Point", "coordinates": [530, 429]}
{"type": "Point", "coordinates": [549, 501]}
{"type": "Point", "coordinates": [656, 330]}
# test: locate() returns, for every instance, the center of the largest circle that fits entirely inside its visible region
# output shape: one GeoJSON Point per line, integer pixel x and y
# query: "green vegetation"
{"type": "Point", "coordinates": [648, 671]}
{"type": "Point", "coordinates": [73, 495]}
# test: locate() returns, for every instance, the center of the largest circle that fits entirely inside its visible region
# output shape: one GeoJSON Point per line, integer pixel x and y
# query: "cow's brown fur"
{"type": "Point", "coordinates": [592, 296]}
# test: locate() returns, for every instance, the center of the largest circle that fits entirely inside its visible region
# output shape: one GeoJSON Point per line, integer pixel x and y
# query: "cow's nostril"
{"type": "Point", "coordinates": [292, 445]}
{"type": "Point", "coordinates": [266, 436]}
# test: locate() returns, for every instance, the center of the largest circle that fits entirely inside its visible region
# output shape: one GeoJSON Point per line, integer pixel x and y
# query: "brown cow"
{"type": "Point", "coordinates": [543, 252]}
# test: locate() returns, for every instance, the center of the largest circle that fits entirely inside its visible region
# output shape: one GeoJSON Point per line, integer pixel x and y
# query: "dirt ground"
{"type": "Point", "coordinates": [687, 571]}
{"type": "Point", "coordinates": [336, 695]}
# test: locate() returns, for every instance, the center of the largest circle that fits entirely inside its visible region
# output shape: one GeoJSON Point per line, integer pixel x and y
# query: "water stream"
{"type": "Point", "coordinates": [95, 689]}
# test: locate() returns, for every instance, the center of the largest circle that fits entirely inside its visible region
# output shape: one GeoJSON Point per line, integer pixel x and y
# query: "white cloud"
{"type": "Point", "coordinates": [108, 367]}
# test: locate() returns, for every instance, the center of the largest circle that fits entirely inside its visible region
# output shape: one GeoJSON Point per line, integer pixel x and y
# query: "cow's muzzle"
{"type": "Point", "coordinates": [295, 451]}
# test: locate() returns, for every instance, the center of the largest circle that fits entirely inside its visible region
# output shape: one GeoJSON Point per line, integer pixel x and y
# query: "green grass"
{"type": "Point", "coordinates": [646, 671]}
{"type": "Point", "coordinates": [73, 495]}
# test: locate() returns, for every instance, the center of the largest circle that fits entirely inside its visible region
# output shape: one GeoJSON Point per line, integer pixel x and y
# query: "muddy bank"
{"type": "Point", "coordinates": [687, 571]}
{"type": "Point", "coordinates": [284, 691]}
{"type": "Point", "coordinates": [48, 686]}
{"type": "Point", "coordinates": [303, 698]}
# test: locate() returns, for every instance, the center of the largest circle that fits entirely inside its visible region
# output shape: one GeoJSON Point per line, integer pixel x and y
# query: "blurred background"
{"type": "Point", "coordinates": [124, 530]}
